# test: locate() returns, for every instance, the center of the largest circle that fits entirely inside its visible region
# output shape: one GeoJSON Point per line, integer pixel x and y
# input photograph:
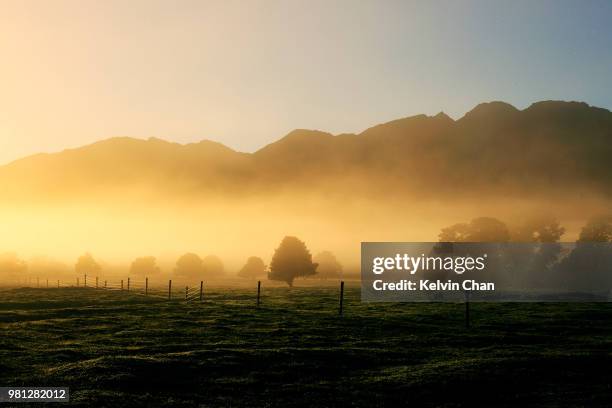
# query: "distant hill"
{"type": "Point", "coordinates": [550, 146]}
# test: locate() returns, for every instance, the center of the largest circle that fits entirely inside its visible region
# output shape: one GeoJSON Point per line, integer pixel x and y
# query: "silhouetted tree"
{"type": "Point", "coordinates": [483, 229]}
{"type": "Point", "coordinates": [532, 264]}
{"type": "Point", "coordinates": [329, 267]}
{"type": "Point", "coordinates": [254, 268]}
{"type": "Point", "coordinates": [598, 229]}
{"type": "Point", "coordinates": [291, 260]}
{"type": "Point", "coordinates": [86, 264]}
{"type": "Point", "coordinates": [213, 267]}
{"type": "Point", "coordinates": [588, 266]}
{"type": "Point", "coordinates": [455, 233]}
{"type": "Point", "coordinates": [189, 265]}
{"type": "Point", "coordinates": [10, 264]}
{"type": "Point", "coordinates": [487, 229]}
{"type": "Point", "coordinates": [539, 229]}
{"type": "Point", "coordinates": [144, 266]}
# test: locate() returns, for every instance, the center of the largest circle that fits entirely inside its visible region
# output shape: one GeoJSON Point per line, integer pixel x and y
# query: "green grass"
{"type": "Point", "coordinates": [118, 349]}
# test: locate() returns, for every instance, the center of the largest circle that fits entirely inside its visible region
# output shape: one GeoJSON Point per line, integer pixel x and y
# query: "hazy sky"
{"type": "Point", "coordinates": [247, 72]}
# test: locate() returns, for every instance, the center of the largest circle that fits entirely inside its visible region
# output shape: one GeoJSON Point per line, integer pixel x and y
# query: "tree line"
{"type": "Point", "coordinates": [546, 229]}
{"type": "Point", "coordinates": [545, 263]}
{"type": "Point", "coordinates": [291, 260]}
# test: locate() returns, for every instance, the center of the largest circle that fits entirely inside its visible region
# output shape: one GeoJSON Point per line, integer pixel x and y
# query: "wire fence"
{"type": "Point", "coordinates": [191, 292]}
{"type": "Point", "coordinates": [137, 286]}
{"type": "Point", "coordinates": [141, 286]}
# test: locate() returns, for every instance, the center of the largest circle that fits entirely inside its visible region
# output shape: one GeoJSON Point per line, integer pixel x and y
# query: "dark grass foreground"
{"type": "Point", "coordinates": [117, 350]}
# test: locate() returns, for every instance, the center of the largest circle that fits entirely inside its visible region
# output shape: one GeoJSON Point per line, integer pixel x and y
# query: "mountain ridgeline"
{"type": "Point", "coordinates": [549, 148]}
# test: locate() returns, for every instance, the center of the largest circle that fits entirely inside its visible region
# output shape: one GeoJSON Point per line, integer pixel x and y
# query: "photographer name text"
{"type": "Point", "coordinates": [431, 285]}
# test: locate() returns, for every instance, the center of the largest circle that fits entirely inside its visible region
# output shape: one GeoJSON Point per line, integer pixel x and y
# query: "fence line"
{"type": "Point", "coordinates": [142, 288]}
{"type": "Point", "coordinates": [190, 293]}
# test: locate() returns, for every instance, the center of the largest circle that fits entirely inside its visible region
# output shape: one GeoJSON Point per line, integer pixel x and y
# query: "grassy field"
{"type": "Point", "coordinates": [118, 349]}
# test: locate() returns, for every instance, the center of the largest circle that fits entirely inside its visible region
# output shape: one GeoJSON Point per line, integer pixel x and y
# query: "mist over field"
{"type": "Point", "coordinates": [404, 180]}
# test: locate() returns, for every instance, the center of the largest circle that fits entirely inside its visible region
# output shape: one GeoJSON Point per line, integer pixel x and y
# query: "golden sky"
{"type": "Point", "coordinates": [247, 72]}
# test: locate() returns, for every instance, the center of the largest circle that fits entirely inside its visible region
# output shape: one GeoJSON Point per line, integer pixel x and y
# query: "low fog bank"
{"type": "Point", "coordinates": [50, 237]}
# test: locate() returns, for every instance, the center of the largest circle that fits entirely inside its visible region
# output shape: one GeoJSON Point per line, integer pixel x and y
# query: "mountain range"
{"type": "Point", "coordinates": [549, 147]}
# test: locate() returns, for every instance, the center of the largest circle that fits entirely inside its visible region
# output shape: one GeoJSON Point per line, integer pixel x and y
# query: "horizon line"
{"type": "Point", "coordinates": [170, 141]}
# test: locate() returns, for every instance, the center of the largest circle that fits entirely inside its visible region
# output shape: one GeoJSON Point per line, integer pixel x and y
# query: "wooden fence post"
{"type": "Point", "coordinates": [77, 282]}
{"type": "Point", "coordinates": [47, 282]}
{"type": "Point", "coordinates": [122, 285]}
{"type": "Point", "coordinates": [341, 297]}
{"type": "Point", "coordinates": [258, 292]}
{"type": "Point", "coordinates": [85, 281]}
{"type": "Point", "coordinates": [146, 286]}
{"type": "Point", "coordinates": [96, 282]}
{"type": "Point", "coordinates": [201, 290]}
{"type": "Point", "coordinates": [104, 284]}
{"type": "Point", "coordinates": [128, 285]}
{"type": "Point", "coordinates": [170, 289]}
{"type": "Point", "coordinates": [186, 292]}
